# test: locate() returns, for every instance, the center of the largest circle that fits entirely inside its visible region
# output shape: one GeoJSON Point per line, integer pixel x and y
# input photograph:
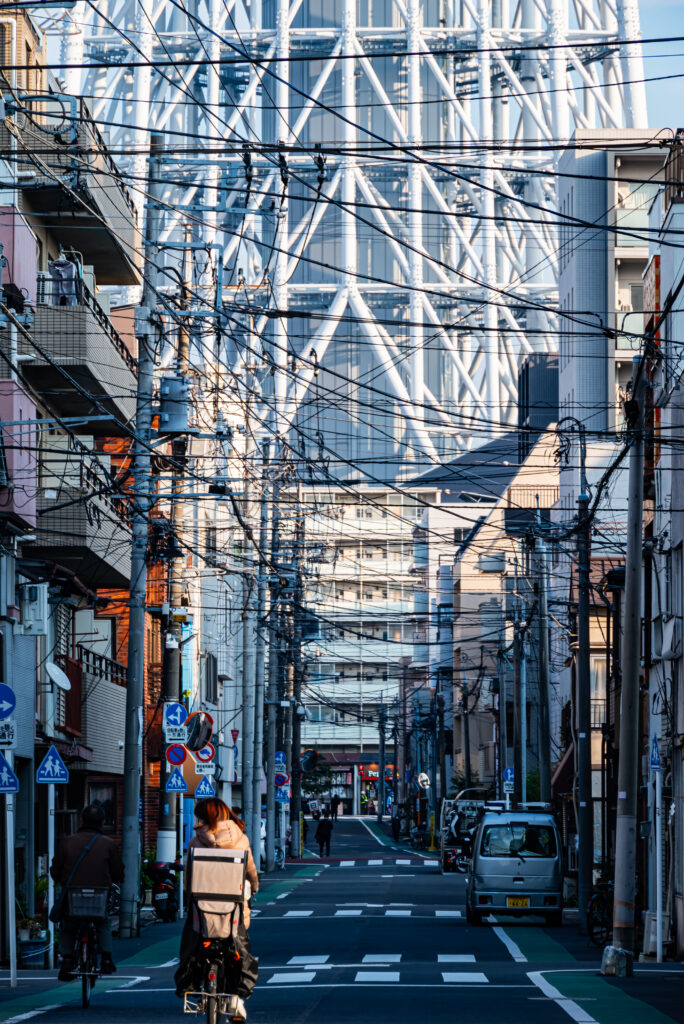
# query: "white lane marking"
{"type": "Point", "coordinates": [512, 947]}
{"type": "Point", "coordinates": [455, 958]}
{"type": "Point", "coordinates": [397, 913]}
{"type": "Point", "coordinates": [374, 863]}
{"type": "Point", "coordinates": [172, 963]}
{"type": "Point", "coordinates": [347, 863]}
{"type": "Point", "coordinates": [578, 1014]}
{"type": "Point", "coordinates": [357, 904]}
{"type": "Point", "coordinates": [378, 958]}
{"type": "Point", "coordinates": [403, 862]}
{"type": "Point", "coordinates": [348, 913]}
{"type": "Point", "coordinates": [282, 895]}
{"type": "Point", "coordinates": [291, 979]}
{"type": "Point", "coordinates": [401, 904]}
{"type": "Point", "coordinates": [32, 1013]}
{"type": "Point", "coordinates": [448, 913]}
{"type": "Point", "coordinates": [383, 976]}
{"type": "Point", "coordinates": [370, 830]}
{"type": "Point", "coordinates": [431, 863]}
{"type": "Point", "coordinates": [295, 961]}
{"type": "Point", "coordinates": [298, 913]}
{"type": "Point", "coordinates": [465, 978]}
{"type": "Point", "coordinates": [128, 984]}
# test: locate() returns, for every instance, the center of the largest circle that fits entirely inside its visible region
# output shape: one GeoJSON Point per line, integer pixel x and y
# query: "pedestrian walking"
{"type": "Point", "coordinates": [335, 806]}
{"type": "Point", "coordinates": [323, 833]}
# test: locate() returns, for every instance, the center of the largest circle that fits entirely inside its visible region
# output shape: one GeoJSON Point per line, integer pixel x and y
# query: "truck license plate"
{"type": "Point", "coordinates": [517, 901]}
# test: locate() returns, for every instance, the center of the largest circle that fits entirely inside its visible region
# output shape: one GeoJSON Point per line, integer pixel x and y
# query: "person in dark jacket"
{"type": "Point", "coordinates": [101, 866]}
{"type": "Point", "coordinates": [335, 802]}
{"type": "Point", "coordinates": [323, 833]}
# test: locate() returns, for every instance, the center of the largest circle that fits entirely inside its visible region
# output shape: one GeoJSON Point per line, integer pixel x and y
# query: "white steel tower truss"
{"type": "Point", "coordinates": [423, 263]}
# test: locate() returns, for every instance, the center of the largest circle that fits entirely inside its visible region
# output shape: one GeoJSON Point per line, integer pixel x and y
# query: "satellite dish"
{"type": "Point", "coordinates": [200, 726]}
{"type": "Point", "coordinates": [424, 781]}
{"type": "Point", "coordinates": [57, 675]}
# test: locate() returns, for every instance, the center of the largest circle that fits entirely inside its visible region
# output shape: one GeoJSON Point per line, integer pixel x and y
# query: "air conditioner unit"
{"type": "Point", "coordinates": [34, 609]}
{"type": "Point", "coordinates": [651, 932]}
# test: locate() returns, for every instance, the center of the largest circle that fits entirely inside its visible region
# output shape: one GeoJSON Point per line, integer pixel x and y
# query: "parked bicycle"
{"type": "Point", "coordinates": [600, 914]}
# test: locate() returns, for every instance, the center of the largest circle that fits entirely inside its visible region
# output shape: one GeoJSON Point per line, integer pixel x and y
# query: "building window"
{"type": "Point", "coordinates": [103, 795]}
{"type": "Point", "coordinates": [210, 679]}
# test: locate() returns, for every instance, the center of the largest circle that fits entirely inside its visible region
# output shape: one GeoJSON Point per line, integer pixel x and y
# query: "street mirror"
{"type": "Point", "coordinates": [308, 760]}
{"type": "Point", "coordinates": [200, 727]}
{"type": "Point", "coordinates": [424, 781]}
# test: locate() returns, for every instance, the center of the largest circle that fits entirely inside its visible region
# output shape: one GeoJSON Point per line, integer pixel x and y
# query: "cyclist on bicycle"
{"type": "Point", "coordinates": [219, 826]}
{"type": "Point", "coordinates": [101, 866]}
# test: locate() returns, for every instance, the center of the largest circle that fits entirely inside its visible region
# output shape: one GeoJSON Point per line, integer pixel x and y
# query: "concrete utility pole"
{"type": "Point", "coordinates": [273, 701]}
{"type": "Point", "coordinates": [249, 611]}
{"type": "Point", "coordinates": [518, 711]}
{"type": "Point", "coordinates": [296, 805]}
{"type": "Point", "coordinates": [259, 693]}
{"type": "Point", "coordinates": [628, 755]}
{"type": "Point", "coordinates": [167, 834]}
{"type": "Point", "coordinates": [544, 716]}
{"type": "Point", "coordinates": [147, 330]}
{"type": "Point", "coordinates": [585, 815]}
{"type": "Point", "coordinates": [382, 724]}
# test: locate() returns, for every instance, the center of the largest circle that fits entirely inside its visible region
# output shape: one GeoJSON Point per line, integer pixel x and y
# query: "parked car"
{"type": "Point", "coordinates": [516, 867]}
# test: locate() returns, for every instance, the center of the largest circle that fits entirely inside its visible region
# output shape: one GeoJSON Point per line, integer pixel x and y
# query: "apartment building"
{"type": "Point", "coordinates": [607, 184]}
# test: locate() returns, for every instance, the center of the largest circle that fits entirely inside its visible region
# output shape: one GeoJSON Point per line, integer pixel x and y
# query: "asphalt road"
{"type": "Point", "coordinates": [374, 934]}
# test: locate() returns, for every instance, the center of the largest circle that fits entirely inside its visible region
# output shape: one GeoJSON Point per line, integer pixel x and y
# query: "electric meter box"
{"type": "Point", "coordinates": [174, 405]}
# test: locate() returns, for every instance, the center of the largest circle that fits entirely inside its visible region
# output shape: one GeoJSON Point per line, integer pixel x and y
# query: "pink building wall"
{"type": "Point", "coordinates": [19, 435]}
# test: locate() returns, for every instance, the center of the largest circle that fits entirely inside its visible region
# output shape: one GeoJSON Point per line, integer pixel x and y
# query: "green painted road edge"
{"type": "Point", "coordinates": [378, 832]}
{"type": "Point", "coordinates": [69, 992]}
{"type": "Point", "coordinates": [603, 1001]}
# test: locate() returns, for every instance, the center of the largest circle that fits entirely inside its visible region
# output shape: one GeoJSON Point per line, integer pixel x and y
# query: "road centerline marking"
{"type": "Point", "coordinates": [512, 947]}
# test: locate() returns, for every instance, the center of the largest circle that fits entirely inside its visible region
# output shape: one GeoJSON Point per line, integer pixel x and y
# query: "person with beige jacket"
{"type": "Point", "coordinates": [219, 826]}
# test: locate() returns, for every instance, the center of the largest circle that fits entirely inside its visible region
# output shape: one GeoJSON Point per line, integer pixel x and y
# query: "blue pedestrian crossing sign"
{"type": "Point", "coordinates": [204, 789]}
{"type": "Point", "coordinates": [176, 783]}
{"type": "Point", "coordinates": [9, 783]}
{"type": "Point", "coordinates": [655, 755]}
{"type": "Point", "coordinates": [52, 768]}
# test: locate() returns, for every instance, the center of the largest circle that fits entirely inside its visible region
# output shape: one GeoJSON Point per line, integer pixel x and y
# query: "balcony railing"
{"type": "Point", "coordinates": [82, 296]}
{"type": "Point", "coordinates": [101, 667]}
{"type": "Point", "coordinates": [598, 713]}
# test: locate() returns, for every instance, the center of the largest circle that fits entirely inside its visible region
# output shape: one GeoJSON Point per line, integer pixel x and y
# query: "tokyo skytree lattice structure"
{"type": "Point", "coordinates": [380, 177]}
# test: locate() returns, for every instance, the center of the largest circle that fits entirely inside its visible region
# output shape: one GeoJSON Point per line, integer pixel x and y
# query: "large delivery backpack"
{"type": "Point", "coordinates": [218, 889]}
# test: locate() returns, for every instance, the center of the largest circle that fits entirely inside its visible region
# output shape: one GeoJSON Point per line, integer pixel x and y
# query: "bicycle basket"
{"type": "Point", "coordinates": [90, 903]}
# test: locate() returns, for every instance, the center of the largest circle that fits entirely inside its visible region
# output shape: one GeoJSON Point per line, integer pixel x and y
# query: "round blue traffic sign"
{"type": "Point", "coordinates": [8, 700]}
{"type": "Point", "coordinates": [176, 754]}
{"type": "Point", "coordinates": [175, 714]}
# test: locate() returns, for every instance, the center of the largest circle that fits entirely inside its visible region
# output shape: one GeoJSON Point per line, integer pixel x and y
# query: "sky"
{"type": "Point", "coordinates": [665, 99]}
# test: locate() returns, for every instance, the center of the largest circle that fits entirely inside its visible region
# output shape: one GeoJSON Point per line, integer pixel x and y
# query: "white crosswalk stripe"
{"type": "Point", "coordinates": [465, 978]}
{"type": "Point", "coordinates": [397, 913]}
{"type": "Point", "coordinates": [298, 913]}
{"type": "Point", "coordinates": [383, 976]}
{"type": "Point", "coordinates": [381, 958]}
{"type": "Point", "coordinates": [297, 961]}
{"type": "Point", "coordinates": [348, 913]}
{"type": "Point", "coordinates": [347, 863]}
{"type": "Point", "coordinates": [291, 978]}
{"type": "Point", "coordinates": [455, 958]}
{"type": "Point", "coordinates": [448, 913]}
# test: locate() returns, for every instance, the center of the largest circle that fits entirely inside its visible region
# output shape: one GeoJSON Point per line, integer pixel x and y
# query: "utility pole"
{"type": "Point", "coordinates": [466, 732]}
{"type": "Point", "coordinates": [260, 659]}
{"type": "Point", "coordinates": [297, 716]}
{"type": "Point", "coordinates": [544, 715]}
{"type": "Point", "coordinates": [248, 610]}
{"type": "Point", "coordinates": [273, 701]}
{"type": "Point", "coordinates": [147, 330]}
{"type": "Point", "coordinates": [585, 815]}
{"type": "Point", "coordinates": [167, 833]}
{"type": "Point", "coordinates": [628, 763]}
{"type": "Point", "coordinates": [382, 723]}
{"type": "Point", "coordinates": [518, 709]}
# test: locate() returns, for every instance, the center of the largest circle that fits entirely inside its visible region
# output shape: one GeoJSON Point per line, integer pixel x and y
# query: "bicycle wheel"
{"type": "Point", "coordinates": [599, 920]}
{"type": "Point", "coordinates": [210, 991]}
{"type": "Point", "coordinates": [84, 967]}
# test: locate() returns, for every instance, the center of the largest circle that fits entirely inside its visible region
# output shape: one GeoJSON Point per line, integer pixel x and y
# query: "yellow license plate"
{"type": "Point", "coordinates": [517, 901]}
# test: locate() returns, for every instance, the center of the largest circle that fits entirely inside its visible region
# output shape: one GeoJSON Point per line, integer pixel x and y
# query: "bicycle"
{"type": "Point", "coordinates": [600, 914]}
{"type": "Point", "coordinates": [87, 906]}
